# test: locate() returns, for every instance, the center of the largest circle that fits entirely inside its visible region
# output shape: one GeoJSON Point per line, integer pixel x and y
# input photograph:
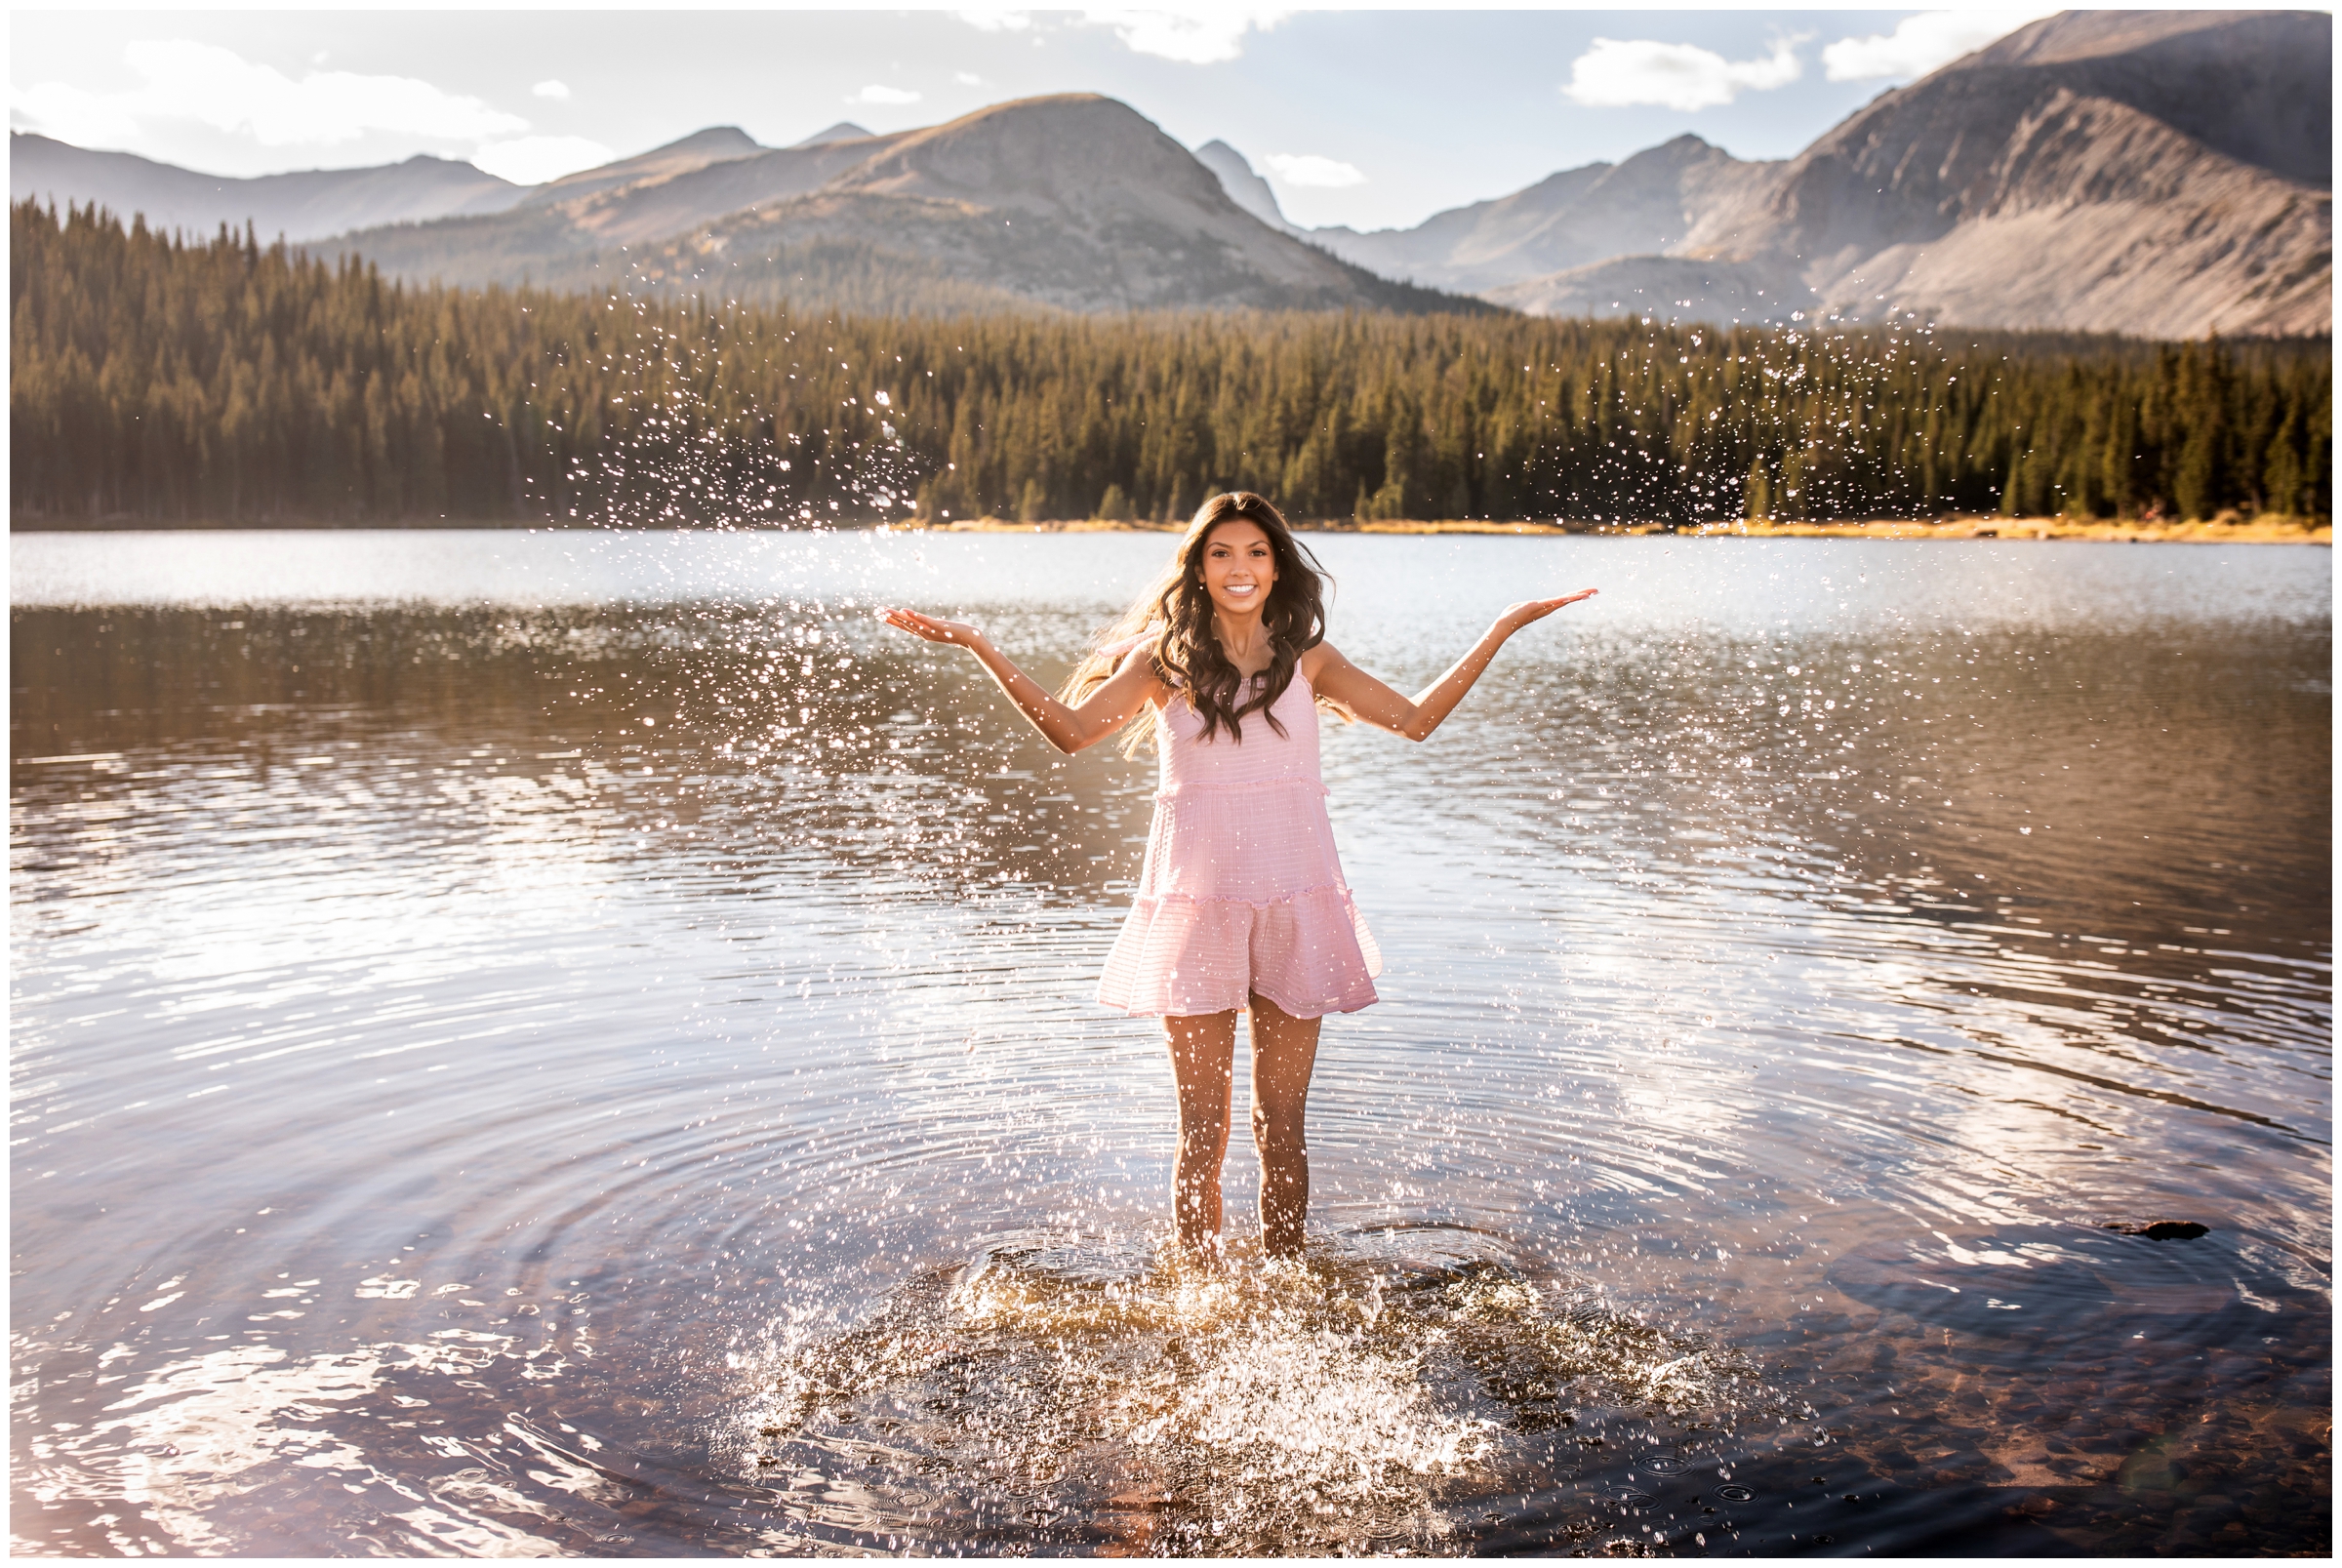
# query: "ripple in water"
{"type": "Point", "coordinates": [455, 1115]}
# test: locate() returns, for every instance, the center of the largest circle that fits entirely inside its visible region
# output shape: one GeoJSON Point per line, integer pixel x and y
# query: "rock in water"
{"type": "Point", "coordinates": [2160, 1229]}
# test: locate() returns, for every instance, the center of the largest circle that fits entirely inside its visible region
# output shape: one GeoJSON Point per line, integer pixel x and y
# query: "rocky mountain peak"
{"type": "Point", "coordinates": [1243, 184]}
{"type": "Point", "coordinates": [2161, 173]}
{"type": "Point", "coordinates": [716, 141]}
{"type": "Point", "coordinates": [1066, 151]}
{"type": "Point", "coordinates": [2073, 35]}
{"type": "Point", "coordinates": [2255, 85]}
{"type": "Point", "coordinates": [842, 131]}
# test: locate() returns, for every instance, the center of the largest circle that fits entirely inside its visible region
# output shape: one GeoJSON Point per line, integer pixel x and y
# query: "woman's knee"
{"type": "Point", "coordinates": [1205, 1137]}
{"type": "Point", "coordinates": [1279, 1123]}
{"type": "Point", "coordinates": [1203, 1130]}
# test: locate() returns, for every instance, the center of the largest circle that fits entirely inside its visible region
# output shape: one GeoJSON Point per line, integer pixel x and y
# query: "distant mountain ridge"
{"type": "Point", "coordinates": [309, 205]}
{"type": "Point", "coordinates": [721, 143]}
{"type": "Point", "coordinates": [1072, 201]}
{"type": "Point", "coordinates": [1571, 219]}
{"type": "Point", "coordinates": [2163, 174]}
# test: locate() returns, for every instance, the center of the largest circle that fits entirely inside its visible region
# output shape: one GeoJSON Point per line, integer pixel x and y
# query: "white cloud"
{"type": "Point", "coordinates": [967, 78]}
{"type": "Point", "coordinates": [550, 88]}
{"type": "Point", "coordinates": [1616, 73]}
{"type": "Point", "coordinates": [1192, 35]}
{"type": "Point", "coordinates": [885, 95]}
{"type": "Point", "coordinates": [85, 119]}
{"type": "Point", "coordinates": [532, 160]}
{"type": "Point", "coordinates": [1921, 43]}
{"type": "Point", "coordinates": [216, 87]}
{"type": "Point", "coordinates": [1314, 172]}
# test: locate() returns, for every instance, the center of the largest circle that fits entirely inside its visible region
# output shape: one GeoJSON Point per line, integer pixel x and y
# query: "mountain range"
{"type": "Point", "coordinates": [1074, 201]}
{"type": "Point", "coordinates": [2163, 174]}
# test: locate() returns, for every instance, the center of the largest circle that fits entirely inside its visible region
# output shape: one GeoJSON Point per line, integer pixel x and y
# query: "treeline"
{"type": "Point", "coordinates": [157, 381]}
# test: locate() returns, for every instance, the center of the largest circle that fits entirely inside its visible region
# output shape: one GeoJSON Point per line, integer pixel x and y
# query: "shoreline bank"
{"type": "Point", "coordinates": [2258, 531]}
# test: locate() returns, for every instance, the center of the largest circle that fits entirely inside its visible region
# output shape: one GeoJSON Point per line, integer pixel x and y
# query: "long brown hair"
{"type": "Point", "coordinates": [1175, 613]}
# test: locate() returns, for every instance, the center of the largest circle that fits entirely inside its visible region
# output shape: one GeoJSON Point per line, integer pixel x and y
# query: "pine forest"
{"type": "Point", "coordinates": [161, 382]}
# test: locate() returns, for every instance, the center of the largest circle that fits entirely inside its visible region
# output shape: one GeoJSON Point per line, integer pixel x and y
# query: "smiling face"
{"type": "Point", "coordinates": [1239, 567]}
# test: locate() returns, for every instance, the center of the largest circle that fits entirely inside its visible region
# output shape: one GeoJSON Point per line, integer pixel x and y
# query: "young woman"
{"type": "Point", "coordinates": [1242, 903]}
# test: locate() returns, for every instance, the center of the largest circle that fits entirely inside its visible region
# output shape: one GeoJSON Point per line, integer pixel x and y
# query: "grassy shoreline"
{"type": "Point", "coordinates": [2256, 531]}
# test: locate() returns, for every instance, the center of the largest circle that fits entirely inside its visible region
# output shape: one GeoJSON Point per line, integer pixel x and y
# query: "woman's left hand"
{"type": "Point", "coordinates": [1534, 610]}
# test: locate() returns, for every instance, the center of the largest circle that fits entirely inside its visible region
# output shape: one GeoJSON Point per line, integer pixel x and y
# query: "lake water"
{"type": "Point", "coordinates": [576, 1043]}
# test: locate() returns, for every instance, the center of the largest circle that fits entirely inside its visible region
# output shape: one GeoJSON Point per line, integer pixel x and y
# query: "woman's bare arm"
{"type": "Point", "coordinates": [1068, 726]}
{"type": "Point", "coordinates": [1371, 702]}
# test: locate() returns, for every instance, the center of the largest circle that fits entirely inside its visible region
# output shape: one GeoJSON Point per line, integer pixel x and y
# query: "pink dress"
{"type": "Point", "coordinates": [1241, 890]}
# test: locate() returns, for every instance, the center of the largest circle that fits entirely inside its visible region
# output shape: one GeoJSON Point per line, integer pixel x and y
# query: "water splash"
{"type": "Point", "coordinates": [1360, 1400]}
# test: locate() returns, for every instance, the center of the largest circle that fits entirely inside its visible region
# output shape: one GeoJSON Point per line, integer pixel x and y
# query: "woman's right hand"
{"type": "Point", "coordinates": [1068, 729]}
{"type": "Point", "coordinates": [957, 632]}
{"type": "Point", "coordinates": [1532, 611]}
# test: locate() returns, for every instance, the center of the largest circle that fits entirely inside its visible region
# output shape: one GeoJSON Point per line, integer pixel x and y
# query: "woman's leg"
{"type": "Point", "coordinates": [1203, 1049]}
{"type": "Point", "coordinates": [1285, 1052]}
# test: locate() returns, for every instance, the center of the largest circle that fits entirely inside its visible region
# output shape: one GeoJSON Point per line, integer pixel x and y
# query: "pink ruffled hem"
{"type": "Point", "coordinates": [1310, 953]}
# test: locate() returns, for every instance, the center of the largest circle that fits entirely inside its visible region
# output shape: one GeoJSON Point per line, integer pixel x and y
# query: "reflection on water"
{"type": "Point", "coordinates": [538, 1044]}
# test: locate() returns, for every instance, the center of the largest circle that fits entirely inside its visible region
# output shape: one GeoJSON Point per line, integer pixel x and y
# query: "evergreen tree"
{"type": "Point", "coordinates": [157, 379]}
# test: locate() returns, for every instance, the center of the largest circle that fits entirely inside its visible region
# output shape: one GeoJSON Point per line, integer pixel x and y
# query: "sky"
{"type": "Point", "coordinates": [1370, 117]}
